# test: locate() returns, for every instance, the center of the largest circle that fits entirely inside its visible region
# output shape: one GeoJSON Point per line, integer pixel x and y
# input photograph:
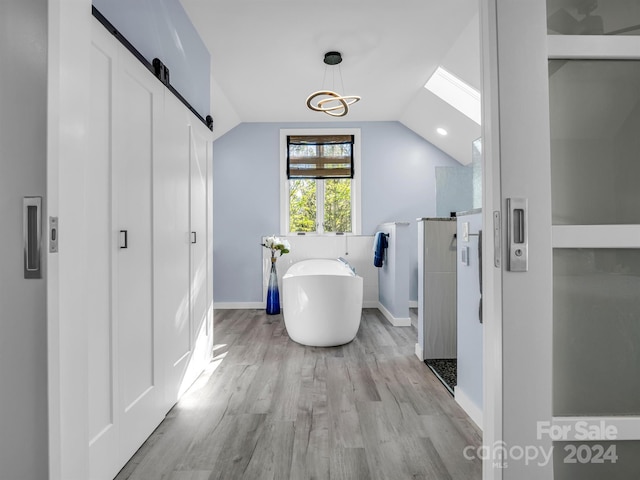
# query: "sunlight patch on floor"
{"type": "Point", "coordinates": [186, 399]}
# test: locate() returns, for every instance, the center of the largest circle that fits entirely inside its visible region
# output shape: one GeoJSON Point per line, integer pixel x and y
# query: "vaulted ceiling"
{"type": "Point", "coordinates": [267, 57]}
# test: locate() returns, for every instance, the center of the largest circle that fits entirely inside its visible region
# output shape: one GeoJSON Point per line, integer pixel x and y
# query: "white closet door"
{"type": "Point", "coordinates": [171, 244]}
{"type": "Point", "coordinates": [139, 352]}
{"type": "Point", "coordinates": [201, 328]}
{"type": "Point", "coordinates": [148, 315]}
{"type": "Point", "coordinates": [125, 380]}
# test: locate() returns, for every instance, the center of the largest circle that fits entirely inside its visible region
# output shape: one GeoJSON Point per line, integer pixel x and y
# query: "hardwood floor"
{"type": "Point", "coordinates": [268, 408]}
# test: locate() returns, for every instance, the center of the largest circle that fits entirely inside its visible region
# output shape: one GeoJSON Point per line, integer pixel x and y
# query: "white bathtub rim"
{"type": "Point", "coordinates": [338, 268]}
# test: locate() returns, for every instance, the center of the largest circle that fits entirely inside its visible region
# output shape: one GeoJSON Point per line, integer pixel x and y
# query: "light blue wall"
{"type": "Point", "coordinates": [393, 276]}
{"type": "Point", "coordinates": [161, 29]}
{"type": "Point", "coordinates": [398, 184]}
{"type": "Point", "coordinates": [476, 166]}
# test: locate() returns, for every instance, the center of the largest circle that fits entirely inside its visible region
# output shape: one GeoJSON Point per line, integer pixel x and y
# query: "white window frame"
{"type": "Point", "coordinates": [356, 221]}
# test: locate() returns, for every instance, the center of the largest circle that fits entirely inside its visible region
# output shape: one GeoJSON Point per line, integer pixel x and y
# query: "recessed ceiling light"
{"type": "Point", "coordinates": [441, 131]}
{"type": "Point", "coordinates": [456, 93]}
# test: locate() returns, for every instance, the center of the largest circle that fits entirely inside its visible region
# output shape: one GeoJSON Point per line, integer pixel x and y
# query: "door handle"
{"type": "Point", "coordinates": [518, 234]}
{"type": "Point", "coordinates": [124, 239]}
{"type": "Point", "coordinates": [194, 237]}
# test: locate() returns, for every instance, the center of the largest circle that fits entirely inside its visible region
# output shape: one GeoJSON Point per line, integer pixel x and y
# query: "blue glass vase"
{"type": "Point", "coordinates": [273, 294]}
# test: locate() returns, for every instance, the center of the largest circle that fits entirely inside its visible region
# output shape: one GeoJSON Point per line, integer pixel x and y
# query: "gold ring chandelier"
{"type": "Point", "coordinates": [328, 101]}
{"type": "Point", "coordinates": [333, 104]}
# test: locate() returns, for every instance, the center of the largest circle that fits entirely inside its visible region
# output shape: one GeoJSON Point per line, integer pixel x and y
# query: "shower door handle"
{"type": "Point", "coordinates": [518, 234]}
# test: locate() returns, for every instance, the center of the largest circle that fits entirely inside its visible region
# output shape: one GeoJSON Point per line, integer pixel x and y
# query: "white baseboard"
{"type": "Point", "coordinates": [395, 321]}
{"type": "Point", "coordinates": [238, 305]}
{"type": "Point", "coordinates": [474, 412]}
{"type": "Point", "coordinates": [413, 304]}
{"type": "Point", "coordinates": [258, 305]}
{"type": "Point", "coordinates": [419, 352]}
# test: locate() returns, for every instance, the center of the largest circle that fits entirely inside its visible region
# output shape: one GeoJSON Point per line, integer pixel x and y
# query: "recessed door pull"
{"type": "Point", "coordinates": [32, 236]}
{"type": "Point", "coordinates": [518, 235]}
{"type": "Point", "coordinates": [194, 237]}
{"type": "Point", "coordinates": [497, 239]}
{"type": "Point", "coordinates": [124, 239]}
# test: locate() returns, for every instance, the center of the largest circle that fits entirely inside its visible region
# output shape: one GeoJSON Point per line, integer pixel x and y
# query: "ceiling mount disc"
{"type": "Point", "coordinates": [332, 58]}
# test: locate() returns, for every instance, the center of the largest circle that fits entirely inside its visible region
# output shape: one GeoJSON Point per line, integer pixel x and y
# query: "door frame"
{"type": "Point", "coordinates": [491, 275]}
{"type": "Point", "coordinates": [68, 100]}
{"type": "Point", "coordinates": [518, 306]}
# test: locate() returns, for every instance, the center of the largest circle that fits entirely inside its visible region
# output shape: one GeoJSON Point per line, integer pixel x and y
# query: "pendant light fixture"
{"type": "Point", "coordinates": [328, 101]}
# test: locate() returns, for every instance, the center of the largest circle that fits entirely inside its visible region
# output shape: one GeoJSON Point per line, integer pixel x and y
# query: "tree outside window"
{"type": "Point", "coordinates": [337, 205]}
{"type": "Point", "coordinates": [302, 205]}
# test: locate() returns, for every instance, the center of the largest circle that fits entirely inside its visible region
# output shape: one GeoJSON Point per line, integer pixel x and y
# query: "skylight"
{"type": "Point", "coordinates": [456, 93]}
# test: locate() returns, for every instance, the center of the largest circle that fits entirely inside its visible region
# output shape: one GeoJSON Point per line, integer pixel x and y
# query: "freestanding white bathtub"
{"type": "Point", "coordinates": [322, 302]}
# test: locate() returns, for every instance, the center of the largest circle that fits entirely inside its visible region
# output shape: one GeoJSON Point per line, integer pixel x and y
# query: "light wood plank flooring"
{"type": "Point", "coordinates": [268, 408]}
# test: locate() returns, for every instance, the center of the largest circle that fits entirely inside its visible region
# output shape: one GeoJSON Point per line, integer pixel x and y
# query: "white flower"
{"type": "Point", "coordinates": [269, 242]}
{"type": "Point", "coordinates": [274, 243]}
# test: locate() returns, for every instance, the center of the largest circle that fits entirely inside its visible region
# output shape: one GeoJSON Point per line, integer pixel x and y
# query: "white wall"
{"type": "Point", "coordinates": [23, 321]}
{"type": "Point", "coordinates": [470, 331]}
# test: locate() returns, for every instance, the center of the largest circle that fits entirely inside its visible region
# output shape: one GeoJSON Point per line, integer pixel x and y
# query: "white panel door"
{"type": "Point", "coordinates": [171, 244]}
{"type": "Point", "coordinates": [569, 107]}
{"type": "Point", "coordinates": [139, 349]}
{"type": "Point", "coordinates": [201, 329]}
{"type": "Point", "coordinates": [102, 378]}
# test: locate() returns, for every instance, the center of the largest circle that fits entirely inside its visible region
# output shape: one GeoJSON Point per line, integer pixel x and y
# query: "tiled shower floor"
{"type": "Point", "coordinates": [446, 369]}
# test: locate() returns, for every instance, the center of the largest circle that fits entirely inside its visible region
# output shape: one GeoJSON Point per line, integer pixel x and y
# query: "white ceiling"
{"type": "Point", "coordinates": [267, 57]}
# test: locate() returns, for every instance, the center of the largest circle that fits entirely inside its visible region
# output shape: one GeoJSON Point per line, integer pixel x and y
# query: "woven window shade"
{"type": "Point", "coordinates": [320, 156]}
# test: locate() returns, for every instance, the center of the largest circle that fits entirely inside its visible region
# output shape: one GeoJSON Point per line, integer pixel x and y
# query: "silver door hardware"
{"type": "Point", "coordinates": [517, 235]}
{"type": "Point", "coordinates": [194, 237]}
{"type": "Point", "coordinates": [32, 236]}
{"type": "Point", "coordinates": [124, 239]}
{"type": "Point", "coordinates": [497, 250]}
{"type": "Point", "coordinates": [53, 234]}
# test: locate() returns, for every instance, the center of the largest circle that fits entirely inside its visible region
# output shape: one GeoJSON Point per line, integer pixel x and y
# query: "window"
{"type": "Point", "coordinates": [456, 92]}
{"type": "Point", "coordinates": [320, 177]}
